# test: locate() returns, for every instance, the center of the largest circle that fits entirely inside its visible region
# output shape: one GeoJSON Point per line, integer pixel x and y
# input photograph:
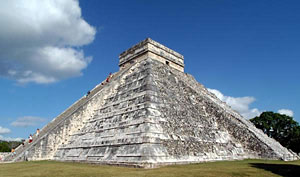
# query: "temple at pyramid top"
{"type": "Point", "coordinates": [149, 48]}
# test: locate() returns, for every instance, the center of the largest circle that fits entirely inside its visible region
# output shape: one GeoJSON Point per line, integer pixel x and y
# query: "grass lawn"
{"type": "Point", "coordinates": [210, 169]}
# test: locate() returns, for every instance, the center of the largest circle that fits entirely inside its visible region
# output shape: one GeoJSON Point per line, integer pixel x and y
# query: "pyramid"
{"type": "Point", "coordinates": [150, 113]}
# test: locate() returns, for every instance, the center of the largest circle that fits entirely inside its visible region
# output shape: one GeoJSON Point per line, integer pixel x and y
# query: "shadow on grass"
{"type": "Point", "coordinates": [286, 170]}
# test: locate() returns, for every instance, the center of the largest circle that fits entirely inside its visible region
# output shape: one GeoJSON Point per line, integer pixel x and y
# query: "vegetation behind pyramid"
{"type": "Point", "coordinates": [151, 113]}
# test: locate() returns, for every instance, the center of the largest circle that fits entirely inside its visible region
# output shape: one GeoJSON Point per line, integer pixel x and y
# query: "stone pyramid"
{"type": "Point", "coordinates": [150, 113]}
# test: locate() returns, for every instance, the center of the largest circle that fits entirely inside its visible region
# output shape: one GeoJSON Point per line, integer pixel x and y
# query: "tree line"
{"type": "Point", "coordinates": [6, 146]}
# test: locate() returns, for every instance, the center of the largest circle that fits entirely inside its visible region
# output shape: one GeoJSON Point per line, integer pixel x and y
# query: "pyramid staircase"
{"type": "Point", "coordinates": [20, 151]}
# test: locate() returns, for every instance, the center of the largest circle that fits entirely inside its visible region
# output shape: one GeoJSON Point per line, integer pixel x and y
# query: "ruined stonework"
{"type": "Point", "coordinates": [150, 114]}
{"type": "Point", "coordinates": [3, 155]}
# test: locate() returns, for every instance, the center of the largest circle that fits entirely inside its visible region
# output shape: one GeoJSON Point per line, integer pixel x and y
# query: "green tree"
{"type": "Point", "coordinates": [280, 127]}
{"type": "Point", "coordinates": [4, 146]}
{"type": "Point", "coordinates": [294, 142]}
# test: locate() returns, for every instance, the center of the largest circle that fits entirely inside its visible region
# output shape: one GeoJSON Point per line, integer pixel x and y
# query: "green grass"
{"type": "Point", "coordinates": [210, 169]}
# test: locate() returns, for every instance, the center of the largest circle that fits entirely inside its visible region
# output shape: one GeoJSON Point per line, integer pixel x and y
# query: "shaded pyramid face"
{"type": "Point", "coordinates": [150, 113]}
{"type": "Point", "coordinates": [155, 115]}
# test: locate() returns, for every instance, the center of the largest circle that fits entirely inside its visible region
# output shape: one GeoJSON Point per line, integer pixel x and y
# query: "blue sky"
{"type": "Point", "coordinates": [53, 52]}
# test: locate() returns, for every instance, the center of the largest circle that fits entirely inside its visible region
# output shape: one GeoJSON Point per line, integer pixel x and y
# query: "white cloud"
{"type": "Point", "coordinates": [287, 112]}
{"type": "Point", "coordinates": [240, 104]}
{"type": "Point", "coordinates": [4, 130]}
{"type": "Point", "coordinates": [39, 40]}
{"type": "Point", "coordinates": [9, 138]}
{"type": "Point", "coordinates": [28, 121]}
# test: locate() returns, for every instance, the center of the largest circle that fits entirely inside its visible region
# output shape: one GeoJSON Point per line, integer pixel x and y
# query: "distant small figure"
{"type": "Point", "coordinates": [37, 132]}
{"type": "Point", "coordinates": [107, 79]}
{"type": "Point", "coordinates": [23, 144]}
{"type": "Point", "coordinates": [13, 151]}
{"type": "Point", "coordinates": [26, 156]}
{"type": "Point", "coordinates": [87, 93]}
{"type": "Point", "coordinates": [30, 138]}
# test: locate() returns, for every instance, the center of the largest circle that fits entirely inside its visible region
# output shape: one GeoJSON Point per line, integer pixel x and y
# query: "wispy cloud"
{"type": "Point", "coordinates": [4, 130]}
{"type": "Point", "coordinates": [9, 138]}
{"type": "Point", "coordinates": [39, 40]}
{"type": "Point", "coordinates": [240, 104]}
{"type": "Point", "coordinates": [28, 121]}
{"type": "Point", "coordinates": [287, 112]}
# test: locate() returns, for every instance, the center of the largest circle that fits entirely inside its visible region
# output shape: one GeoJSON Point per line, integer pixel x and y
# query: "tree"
{"type": "Point", "coordinates": [280, 127]}
{"type": "Point", "coordinates": [4, 147]}
{"type": "Point", "coordinates": [295, 140]}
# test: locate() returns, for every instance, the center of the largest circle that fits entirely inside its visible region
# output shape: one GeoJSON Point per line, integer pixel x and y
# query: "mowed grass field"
{"type": "Point", "coordinates": [209, 169]}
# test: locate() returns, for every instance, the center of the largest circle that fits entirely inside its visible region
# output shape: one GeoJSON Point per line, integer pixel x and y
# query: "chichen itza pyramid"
{"type": "Point", "coordinates": [150, 113]}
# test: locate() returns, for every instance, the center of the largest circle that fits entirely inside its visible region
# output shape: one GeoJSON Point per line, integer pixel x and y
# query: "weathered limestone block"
{"type": "Point", "coordinates": [3, 155]}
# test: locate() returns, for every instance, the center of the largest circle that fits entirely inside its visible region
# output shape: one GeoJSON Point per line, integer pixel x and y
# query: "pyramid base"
{"type": "Point", "coordinates": [166, 162]}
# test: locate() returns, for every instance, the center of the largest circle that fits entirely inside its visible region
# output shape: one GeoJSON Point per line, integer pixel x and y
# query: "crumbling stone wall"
{"type": "Point", "coordinates": [3, 155]}
{"type": "Point", "coordinates": [255, 143]}
{"type": "Point", "coordinates": [124, 129]}
{"type": "Point", "coordinates": [59, 130]}
{"type": "Point", "coordinates": [193, 131]}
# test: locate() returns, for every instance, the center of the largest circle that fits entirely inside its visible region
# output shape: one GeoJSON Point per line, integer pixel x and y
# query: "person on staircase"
{"type": "Point", "coordinates": [37, 132]}
{"type": "Point", "coordinates": [108, 77]}
{"type": "Point", "coordinates": [30, 138]}
{"type": "Point", "coordinates": [88, 93]}
{"type": "Point", "coordinates": [13, 152]}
